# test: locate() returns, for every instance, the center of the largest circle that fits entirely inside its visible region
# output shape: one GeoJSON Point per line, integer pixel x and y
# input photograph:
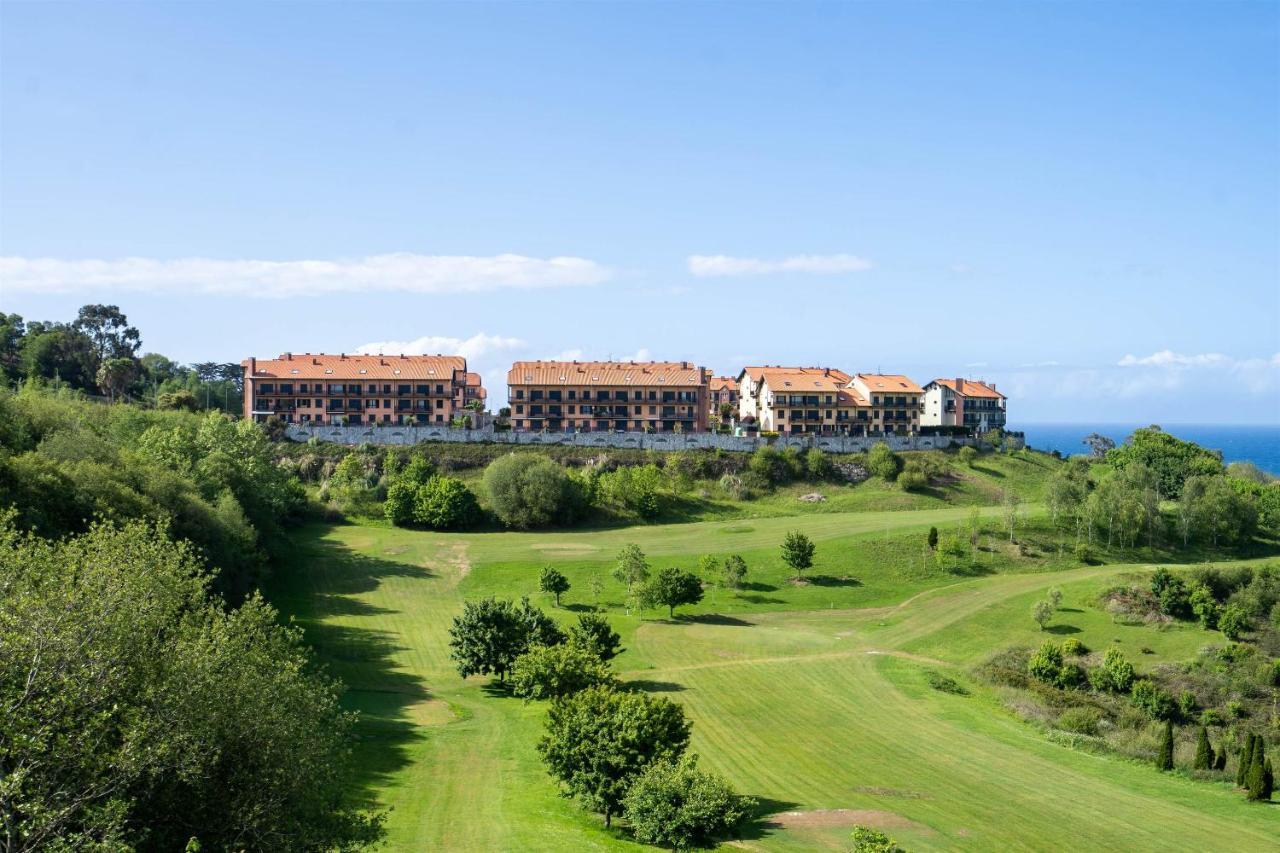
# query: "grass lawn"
{"type": "Point", "coordinates": [810, 697]}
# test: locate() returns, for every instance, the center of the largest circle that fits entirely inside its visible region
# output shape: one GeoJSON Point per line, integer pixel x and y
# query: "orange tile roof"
{"type": "Point", "coordinates": [971, 388]}
{"type": "Point", "coordinates": [719, 383]}
{"type": "Point", "coordinates": [673, 373]}
{"type": "Point", "coordinates": [785, 379]}
{"type": "Point", "coordinates": [473, 379]}
{"type": "Point", "coordinates": [851, 397]}
{"type": "Point", "coordinates": [757, 373]}
{"type": "Point", "coordinates": [889, 383]}
{"type": "Point", "coordinates": [321, 366]}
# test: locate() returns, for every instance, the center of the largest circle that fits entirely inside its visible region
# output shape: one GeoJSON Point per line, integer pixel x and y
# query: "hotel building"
{"type": "Point", "coordinates": [358, 389]}
{"type": "Point", "coordinates": [585, 396]}
{"type": "Point", "coordinates": [894, 402]}
{"type": "Point", "coordinates": [963, 402]}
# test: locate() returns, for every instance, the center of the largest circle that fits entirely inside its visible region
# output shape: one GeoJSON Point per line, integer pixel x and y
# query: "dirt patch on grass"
{"type": "Point", "coordinates": [827, 818]}
{"type": "Point", "coordinates": [566, 547]}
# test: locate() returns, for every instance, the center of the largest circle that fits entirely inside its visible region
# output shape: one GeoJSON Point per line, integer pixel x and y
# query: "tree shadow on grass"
{"type": "Point", "coordinates": [760, 825]}
{"type": "Point", "coordinates": [759, 587]}
{"type": "Point", "coordinates": [830, 580]}
{"type": "Point", "coordinates": [320, 578]}
{"type": "Point", "coordinates": [650, 685]}
{"type": "Point", "coordinates": [717, 619]}
{"type": "Point", "coordinates": [579, 608]}
{"type": "Point", "coordinates": [990, 472]}
{"type": "Point", "coordinates": [1062, 629]}
{"type": "Point", "coordinates": [971, 571]}
{"type": "Point", "coordinates": [760, 599]}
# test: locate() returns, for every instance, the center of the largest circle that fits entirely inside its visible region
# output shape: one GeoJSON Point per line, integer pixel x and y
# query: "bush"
{"type": "Point", "coordinates": [527, 490]}
{"type": "Point", "coordinates": [1085, 553]}
{"type": "Point", "coordinates": [945, 683]}
{"type": "Point", "coordinates": [868, 840]}
{"type": "Point", "coordinates": [913, 480]}
{"type": "Point", "coordinates": [1115, 675]}
{"type": "Point", "coordinates": [672, 587]}
{"type": "Point", "coordinates": [883, 462]}
{"type": "Point", "coordinates": [1233, 621]}
{"type": "Point", "coordinates": [1154, 700]}
{"type": "Point", "coordinates": [1046, 664]}
{"type": "Point", "coordinates": [1084, 721]}
{"type": "Point", "coordinates": [1074, 648]}
{"type": "Point", "coordinates": [595, 633]}
{"type": "Point", "coordinates": [674, 804]}
{"type": "Point", "coordinates": [398, 507]}
{"type": "Point", "coordinates": [546, 672]}
{"type": "Point", "coordinates": [445, 503]}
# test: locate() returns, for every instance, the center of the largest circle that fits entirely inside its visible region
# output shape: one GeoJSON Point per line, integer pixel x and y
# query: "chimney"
{"type": "Point", "coordinates": [315, 361]}
{"type": "Point", "coordinates": [343, 356]}
{"type": "Point", "coordinates": [287, 356]}
{"type": "Point", "coordinates": [684, 365]}
{"type": "Point", "coordinates": [959, 385]}
{"type": "Point", "coordinates": [253, 366]}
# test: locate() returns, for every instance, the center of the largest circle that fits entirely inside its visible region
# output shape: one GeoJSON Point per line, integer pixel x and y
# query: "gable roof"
{"type": "Point", "coordinates": [334, 367]}
{"type": "Point", "coordinates": [673, 373]}
{"type": "Point", "coordinates": [889, 383]}
{"type": "Point", "coordinates": [784, 379]}
{"type": "Point", "coordinates": [757, 373]}
{"type": "Point", "coordinates": [971, 388]}
{"type": "Point", "coordinates": [719, 383]}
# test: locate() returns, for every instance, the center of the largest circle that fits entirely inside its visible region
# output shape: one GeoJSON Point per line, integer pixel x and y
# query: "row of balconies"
{"type": "Point", "coordinates": [604, 396]}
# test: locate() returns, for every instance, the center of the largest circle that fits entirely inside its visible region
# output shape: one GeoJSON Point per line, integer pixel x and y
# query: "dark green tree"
{"type": "Point", "coordinates": [797, 551]}
{"type": "Point", "coordinates": [109, 331]}
{"type": "Point", "coordinates": [1204, 752]}
{"type": "Point", "coordinates": [490, 634]}
{"type": "Point", "coordinates": [933, 539]}
{"type": "Point", "coordinates": [598, 741]}
{"type": "Point", "coordinates": [1256, 779]}
{"type": "Point", "coordinates": [594, 632]}
{"type": "Point", "coordinates": [1245, 758]}
{"type": "Point", "coordinates": [1164, 759]}
{"type": "Point", "coordinates": [632, 568]}
{"type": "Point", "coordinates": [445, 503]}
{"type": "Point", "coordinates": [672, 587]}
{"type": "Point", "coordinates": [529, 490]}
{"type": "Point", "coordinates": [546, 672]}
{"type": "Point", "coordinates": [553, 582]}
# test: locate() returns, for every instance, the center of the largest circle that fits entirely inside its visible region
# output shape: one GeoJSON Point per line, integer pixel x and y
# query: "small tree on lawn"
{"type": "Point", "coordinates": [1204, 752]}
{"type": "Point", "coordinates": [708, 566]}
{"type": "Point", "coordinates": [553, 582]}
{"type": "Point", "coordinates": [673, 587]}
{"type": "Point", "coordinates": [1042, 612]}
{"type": "Point", "coordinates": [598, 741]}
{"type": "Point", "coordinates": [546, 672]}
{"type": "Point", "coordinates": [487, 637]}
{"type": "Point", "coordinates": [735, 571]}
{"type": "Point", "coordinates": [632, 568]}
{"type": "Point", "coordinates": [595, 633]}
{"type": "Point", "coordinates": [1010, 505]}
{"type": "Point", "coordinates": [673, 804]}
{"type": "Point", "coordinates": [797, 551]}
{"type": "Point", "coordinates": [596, 585]}
{"type": "Point", "coordinates": [933, 538]}
{"type": "Point", "coordinates": [1164, 760]}
{"type": "Point", "coordinates": [868, 840]}
{"type": "Point", "coordinates": [1246, 757]}
{"type": "Point", "coordinates": [1055, 597]}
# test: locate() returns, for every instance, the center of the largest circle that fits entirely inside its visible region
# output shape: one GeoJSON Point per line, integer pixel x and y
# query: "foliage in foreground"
{"type": "Point", "coordinates": [138, 713]}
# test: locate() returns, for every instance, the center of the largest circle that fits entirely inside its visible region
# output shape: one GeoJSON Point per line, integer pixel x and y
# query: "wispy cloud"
{"type": "Point", "coordinates": [1161, 373]}
{"type": "Point", "coordinates": [707, 266]}
{"type": "Point", "coordinates": [401, 272]}
{"type": "Point", "coordinates": [477, 346]}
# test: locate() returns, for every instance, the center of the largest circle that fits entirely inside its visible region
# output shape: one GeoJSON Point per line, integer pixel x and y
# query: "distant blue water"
{"type": "Point", "coordinates": [1257, 444]}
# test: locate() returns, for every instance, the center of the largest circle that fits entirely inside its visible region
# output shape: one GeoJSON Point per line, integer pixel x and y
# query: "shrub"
{"type": "Point", "coordinates": [398, 506]}
{"type": "Point", "coordinates": [1085, 553]}
{"type": "Point", "coordinates": [883, 462]}
{"type": "Point", "coordinates": [945, 683]}
{"type": "Point", "coordinates": [735, 571]}
{"type": "Point", "coordinates": [1115, 675]}
{"type": "Point", "coordinates": [1154, 700]}
{"type": "Point", "coordinates": [912, 480]}
{"type": "Point", "coordinates": [1042, 612]}
{"type": "Point", "coordinates": [1074, 648]}
{"type": "Point", "coordinates": [528, 490]}
{"type": "Point", "coordinates": [1072, 676]}
{"type": "Point", "coordinates": [445, 503]}
{"type": "Point", "coordinates": [1046, 664]}
{"type": "Point", "coordinates": [933, 539]}
{"type": "Point", "coordinates": [546, 672]}
{"type": "Point", "coordinates": [816, 464]}
{"type": "Point", "coordinates": [553, 582]}
{"type": "Point", "coordinates": [868, 840]}
{"type": "Point", "coordinates": [1233, 621]}
{"type": "Point", "coordinates": [1084, 721]}
{"type": "Point", "coordinates": [674, 804]}
{"type": "Point", "coordinates": [1164, 759]}
{"type": "Point", "coordinates": [967, 455]}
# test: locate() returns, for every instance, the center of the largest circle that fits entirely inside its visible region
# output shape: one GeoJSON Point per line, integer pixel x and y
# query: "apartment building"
{"type": "Point", "coordinates": [357, 389]}
{"type": "Point", "coordinates": [963, 402]}
{"type": "Point", "coordinates": [791, 400]}
{"type": "Point", "coordinates": [722, 391]}
{"type": "Point", "coordinates": [474, 390]}
{"type": "Point", "coordinates": [585, 396]}
{"type": "Point", "coordinates": [894, 402]}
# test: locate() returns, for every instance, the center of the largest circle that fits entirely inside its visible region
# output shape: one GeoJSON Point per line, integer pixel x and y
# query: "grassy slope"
{"type": "Point", "coordinates": [808, 698]}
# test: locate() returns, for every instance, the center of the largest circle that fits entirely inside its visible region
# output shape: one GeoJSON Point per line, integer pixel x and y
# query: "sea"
{"type": "Point", "coordinates": [1259, 444]}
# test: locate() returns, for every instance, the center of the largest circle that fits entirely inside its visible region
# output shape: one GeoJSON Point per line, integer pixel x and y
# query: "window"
{"type": "Point", "coordinates": [373, 389]}
{"type": "Point", "coordinates": [520, 409]}
{"type": "Point", "coordinates": [286, 388]}
{"type": "Point", "coordinates": [439, 389]}
{"type": "Point", "coordinates": [371, 404]}
{"type": "Point", "coordinates": [439, 404]}
{"type": "Point", "coordinates": [553, 395]}
{"type": "Point", "coordinates": [422, 389]}
{"type": "Point", "coordinates": [303, 389]}
{"type": "Point", "coordinates": [572, 394]}
{"type": "Point", "coordinates": [519, 393]}
{"type": "Point", "coordinates": [267, 388]}
{"type": "Point", "coordinates": [319, 404]}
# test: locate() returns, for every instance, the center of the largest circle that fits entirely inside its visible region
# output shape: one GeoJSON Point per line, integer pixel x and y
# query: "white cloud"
{"type": "Point", "coordinates": [477, 346]}
{"type": "Point", "coordinates": [402, 272]}
{"type": "Point", "coordinates": [1160, 373]}
{"type": "Point", "coordinates": [1169, 358]}
{"type": "Point", "coordinates": [705, 266]}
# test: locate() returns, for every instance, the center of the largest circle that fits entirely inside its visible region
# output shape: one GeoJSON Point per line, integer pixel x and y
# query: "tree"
{"type": "Point", "coordinates": [399, 505]}
{"type": "Point", "coordinates": [933, 539]}
{"type": "Point", "coordinates": [57, 352]}
{"type": "Point", "coordinates": [632, 568]}
{"type": "Point", "coordinates": [1046, 664]}
{"type": "Point", "coordinates": [490, 634]}
{"type": "Point", "coordinates": [1204, 606]}
{"type": "Point", "coordinates": [1164, 760]}
{"type": "Point", "coordinates": [967, 456]}
{"type": "Point", "coordinates": [735, 571]}
{"type": "Point", "coordinates": [109, 331]}
{"type": "Point", "coordinates": [598, 741]}
{"type": "Point", "coordinates": [672, 587]}
{"type": "Point", "coordinates": [1010, 504]}
{"type": "Point", "coordinates": [674, 804]}
{"type": "Point", "coordinates": [797, 552]}
{"type": "Point", "coordinates": [1042, 612]}
{"type": "Point", "coordinates": [1170, 459]}
{"type": "Point", "coordinates": [883, 462]}
{"type": "Point", "coordinates": [552, 582]}
{"type": "Point", "coordinates": [1204, 751]}
{"type": "Point", "coordinates": [708, 566]}
{"type": "Point", "coordinates": [1098, 445]}
{"type": "Point", "coordinates": [1115, 675]}
{"type": "Point", "coordinates": [139, 711]}
{"type": "Point", "coordinates": [445, 503]}
{"type": "Point", "coordinates": [1244, 760]}
{"type": "Point", "coordinates": [1233, 621]}
{"type": "Point", "coordinates": [1258, 781]}
{"type": "Point", "coordinates": [546, 672]}
{"type": "Point", "coordinates": [1154, 700]}
{"type": "Point", "coordinates": [528, 490]}
{"type": "Point", "coordinates": [595, 633]}
{"type": "Point", "coordinates": [182, 399]}
{"type": "Point", "coordinates": [868, 840]}
{"type": "Point", "coordinates": [1055, 597]}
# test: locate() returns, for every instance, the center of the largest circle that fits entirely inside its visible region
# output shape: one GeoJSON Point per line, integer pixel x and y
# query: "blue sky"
{"type": "Point", "coordinates": [1079, 201]}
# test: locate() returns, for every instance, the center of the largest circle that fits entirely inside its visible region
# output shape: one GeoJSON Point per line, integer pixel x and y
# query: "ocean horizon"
{"type": "Point", "coordinates": [1256, 443]}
